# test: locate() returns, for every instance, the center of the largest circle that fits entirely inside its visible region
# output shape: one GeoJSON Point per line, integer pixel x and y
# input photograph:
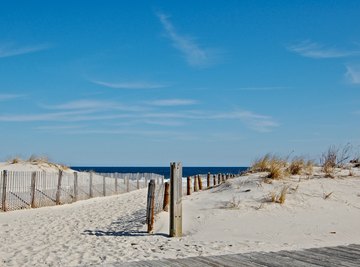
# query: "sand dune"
{"type": "Point", "coordinates": [231, 218]}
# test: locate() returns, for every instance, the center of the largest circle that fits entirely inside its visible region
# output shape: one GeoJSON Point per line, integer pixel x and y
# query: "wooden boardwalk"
{"type": "Point", "coordinates": [348, 256]}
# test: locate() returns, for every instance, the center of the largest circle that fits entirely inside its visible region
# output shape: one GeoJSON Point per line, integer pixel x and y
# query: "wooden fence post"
{"type": "Point", "coordinates": [208, 180]}
{"type": "Point", "coordinates": [116, 184]}
{"type": "Point", "coordinates": [137, 182]}
{"type": "Point", "coordinates": [90, 184]}
{"type": "Point", "coordinates": [196, 184]}
{"type": "Point", "coordinates": [214, 178]}
{"type": "Point", "coordinates": [188, 186]}
{"type": "Point", "coordinates": [128, 184]}
{"type": "Point", "coordinates": [200, 182]}
{"type": "Point", "coordinates": [76, 188]}
{"type": "Point", "coordinates": [175, 199]}
{"type": "Point", "coordinates": [104, 186]}
{"type": "Point", "coordinates": [150, 206]}
{"type": "Point", "coordinates": [32, 189]}
{"type": "Point", "coordinates": [166, 197]}
{"type": "Point", "coordinates": [58, 192]}
{"type": "Point", "coordinates": [223, 178]}
{"type": "Point", "coordinates": [3, 199]}
{"type": "Point", "coordinates": [219, 178]}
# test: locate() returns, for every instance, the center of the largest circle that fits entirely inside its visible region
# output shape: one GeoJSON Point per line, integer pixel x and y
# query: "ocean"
{"type": "Point", "coordinates": [187, 171]}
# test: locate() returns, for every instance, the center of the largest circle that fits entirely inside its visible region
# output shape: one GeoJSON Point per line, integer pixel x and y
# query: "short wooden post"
{"type": "Point", "coordinates": [116, 184]}
{"type": "Point", "coordinates": [4, 185]}
{"type": "Point", "coordinates": [104, 186]}
{"type": "Point", "coordinates": [200, 182]}
{"type": "Point", "coordinates": [188, 186]}
{"type": "Point", "coordinates": [128, 184]}
{"type": "Point", "coordinates": [175, 199]}
{"type": "Point", "coordinates": [208, 180]}
{"type": "Point", "coordinates": [58, 192]}
{"type": "Point", "coordinates": [227, 176]}
{"type": "Point", "coordinates": [196, 184]}
{"type": "Point", "coordinates": [214, 178]}
{"type": "Point", "coordinates": [32, 189]}
{"type": "Point", "coordinates": [137, 182]}
{"type": "Point", "coordinates": [219, 178]}
{"type": "Point", "coordinates": [90, 185]}
{"type": "Point", "coordinates": [76, 188]}
{"type": "Point", "coordinates": [223, 178]}
{"type": "Point", "coordinates": [150, 206]}
{"type": "Point", "coordinates": [166, 196]}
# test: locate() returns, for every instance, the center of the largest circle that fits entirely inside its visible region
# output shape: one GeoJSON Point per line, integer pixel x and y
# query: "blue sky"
{"type": "Point", "coordinates": [208, 83]}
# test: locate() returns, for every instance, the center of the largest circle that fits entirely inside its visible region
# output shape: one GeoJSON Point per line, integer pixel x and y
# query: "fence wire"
{"type": "Point", "coordinates": [23, 190]}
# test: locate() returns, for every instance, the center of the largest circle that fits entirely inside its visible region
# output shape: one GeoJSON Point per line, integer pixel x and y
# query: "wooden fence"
{"type": "Point", "coordinates": [159, 194]}
{"type": "Point", "coordinates": [23, 190]}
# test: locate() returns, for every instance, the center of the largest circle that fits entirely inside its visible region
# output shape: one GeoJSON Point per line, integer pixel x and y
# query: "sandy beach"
{"type": "Point", "coordinates": [237, 216]}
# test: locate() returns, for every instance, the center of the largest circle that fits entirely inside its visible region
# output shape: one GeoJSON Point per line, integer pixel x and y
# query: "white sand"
{"type": "Point", "coordinates": [111, 229]}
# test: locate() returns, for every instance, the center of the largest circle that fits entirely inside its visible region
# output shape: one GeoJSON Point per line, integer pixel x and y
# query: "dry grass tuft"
{"type": "Point", "coordinates": [282, 195]}
{"type": "Point", "coordinates": [334, 157]}
{"type": "Point", "coordinates": [15, 160]}
{"type": "Point", "coordinates": [261, 164]}
{"type": "Point", "coordinates": [327, 195]}
{"type": "Point", "coordinates": [234, 203]}
{"type": "Point", "coordinates": [270, 163]}
{"type": "Point", "coordinates": [278, 197]}
{"type": "Point", "coordinates": [296, 166]}
{"type": "Point", "coordinates": [276, 168]}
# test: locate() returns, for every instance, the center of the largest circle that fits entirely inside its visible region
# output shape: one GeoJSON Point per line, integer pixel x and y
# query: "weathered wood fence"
{"type": "Point", "coordinates": [23, 190]}
{"type": "Point", "coordinates": [159, 196]}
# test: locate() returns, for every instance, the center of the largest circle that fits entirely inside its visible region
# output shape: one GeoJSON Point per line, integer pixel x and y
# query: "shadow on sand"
{"type": "Point", "coordinates": [127, 225]}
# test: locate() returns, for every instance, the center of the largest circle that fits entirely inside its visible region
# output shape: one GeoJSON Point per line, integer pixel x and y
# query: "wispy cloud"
{"type": "Point", "coordinates": [131, 85]}
{"type": "Point", "coordinates": [193, 53]}
{"type": "Point", "coordinates": [9, 50]}
{"type": "Point", "coordinates": [257, 122]}
{"type": "Point", "coordinates": [172, 102]}
{"type": "Point", "coordinates": [316, 50]}
{"type": "Point", "coordinates": [353, 74]}
{"type": "Point", "coordinates": [93, 105]}
{"type": "Point", "coordinates": [164, 122]}
{"type": "Point", "coordinates": [264, 88]}
{"type": "Point", "coordinates": [5, 97]}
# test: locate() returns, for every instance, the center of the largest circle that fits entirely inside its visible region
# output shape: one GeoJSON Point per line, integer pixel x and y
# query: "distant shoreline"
{"type": "Point", "coordinates": [187, 171]}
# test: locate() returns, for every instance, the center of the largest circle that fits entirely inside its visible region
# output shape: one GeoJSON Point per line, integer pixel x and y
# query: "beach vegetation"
{"type": "Point", "coordinates": [327, 195]}
{"type": "Point", "coordinates": [272, 164]}
{"type": "Point", "coordinates": [261, 164]}
{"type": "Point", "coordinates": [15, 160]}
{"type": "Point", "coordinates": [234, 203]}
{"type": "Point", "coordinates": [335, 157]}
{"type": "Point", "coordinates": [278, 196]}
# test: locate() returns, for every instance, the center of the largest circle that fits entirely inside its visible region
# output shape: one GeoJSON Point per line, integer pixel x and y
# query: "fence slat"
{"type": "Point", "coordinates": [58, 192]}
{"type": "Point", "coordinates": [150, 206]}
{"type": "Point", "coordinates": [3, 200]}
{"type": "Point", "coordinates": [32, 189]}
{"type": "Point", "coordinates": [76, 188]}
{"type": "Point", "coordinates": [175, 199]}
{"type": "Point", "coordinates": [166, 196]}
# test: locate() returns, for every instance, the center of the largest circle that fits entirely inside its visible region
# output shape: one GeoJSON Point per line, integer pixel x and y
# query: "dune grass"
{"type": "Point", "coordinates": [272, 164]}
{"type": "Point", "coordinates": [38, 160]}
{"type": "Point", "coordinates": [278, 197]}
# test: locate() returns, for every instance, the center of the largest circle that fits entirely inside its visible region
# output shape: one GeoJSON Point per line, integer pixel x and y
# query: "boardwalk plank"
{"type": "Point", "coordinates": [307, 257]}
{"type": "Point", "coordinates": [344, 256]}
{"type": "Point", "coordinates": [277, 259]}
{"type": "Point", "coordinates": [338, 257]}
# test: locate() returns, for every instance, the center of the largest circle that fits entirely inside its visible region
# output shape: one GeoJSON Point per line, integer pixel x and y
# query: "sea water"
{"type": "Point", "coordinates": [187, 171]}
